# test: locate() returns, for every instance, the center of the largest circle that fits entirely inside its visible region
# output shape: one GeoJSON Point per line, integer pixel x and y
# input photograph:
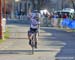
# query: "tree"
{"type": "Point", "coordinates": [40, 4]}
{"type": "Point", "coordinates": [73, 4]}
{"type": "Point", "coordinates": [33, 4]}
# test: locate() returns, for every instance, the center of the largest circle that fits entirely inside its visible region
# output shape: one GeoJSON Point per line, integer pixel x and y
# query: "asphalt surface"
{"type": "Point", "coordinates": [53, 44]}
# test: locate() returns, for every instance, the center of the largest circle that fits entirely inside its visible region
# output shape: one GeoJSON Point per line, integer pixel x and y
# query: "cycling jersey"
{"type": "Point", "coordinates": [34, 23]}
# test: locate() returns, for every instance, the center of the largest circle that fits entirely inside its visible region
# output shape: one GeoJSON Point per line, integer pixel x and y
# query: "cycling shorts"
{"type": "Point", "coordinates": [33, 30]}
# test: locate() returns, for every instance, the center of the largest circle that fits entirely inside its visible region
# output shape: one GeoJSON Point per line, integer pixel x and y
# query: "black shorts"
{"type": "Point", "coordinates": [33, 30]}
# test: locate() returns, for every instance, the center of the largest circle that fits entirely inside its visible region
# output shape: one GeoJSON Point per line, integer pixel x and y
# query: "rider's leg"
{"type": "Point", "coordinates": [29, 37]}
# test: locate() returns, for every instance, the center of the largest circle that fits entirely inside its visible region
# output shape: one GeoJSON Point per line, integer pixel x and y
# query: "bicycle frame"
{"type": "Point", "coordinates": [33, 42]}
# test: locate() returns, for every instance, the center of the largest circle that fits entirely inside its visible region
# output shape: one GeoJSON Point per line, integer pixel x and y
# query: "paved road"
{"type": "Point", "coordinates": [53, 44]}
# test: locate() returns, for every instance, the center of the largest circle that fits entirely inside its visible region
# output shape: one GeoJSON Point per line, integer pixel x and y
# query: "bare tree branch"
{"type": "Point", "coordinates": [73, 4]}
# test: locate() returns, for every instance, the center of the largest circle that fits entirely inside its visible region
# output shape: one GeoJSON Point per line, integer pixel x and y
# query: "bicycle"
{"type": "Point", "coordinates": [33, 42]}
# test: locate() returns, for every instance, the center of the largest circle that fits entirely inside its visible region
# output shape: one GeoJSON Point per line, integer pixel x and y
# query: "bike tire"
{"type": "Point", "coordinates": [32, 50]}
{"type": "Point", "coordinates": [32, 45]}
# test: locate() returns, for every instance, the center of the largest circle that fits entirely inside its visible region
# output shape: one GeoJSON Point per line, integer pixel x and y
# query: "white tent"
{"type": "Point", "coordinates": [68, 10]}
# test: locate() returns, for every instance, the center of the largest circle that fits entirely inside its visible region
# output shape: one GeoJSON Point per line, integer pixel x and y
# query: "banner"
{"type": "Point", "coordinates": [72, 24]}
{"type": "Point", "coordinates": [66, 22]}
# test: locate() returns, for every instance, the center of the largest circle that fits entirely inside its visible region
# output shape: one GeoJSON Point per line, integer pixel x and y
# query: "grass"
{"type": "Point", "coordinates": [1, 40]}
{"type": "Point", "coordinates": [73, 30]}
{"type": "Point", "coordinates": [6, 36]}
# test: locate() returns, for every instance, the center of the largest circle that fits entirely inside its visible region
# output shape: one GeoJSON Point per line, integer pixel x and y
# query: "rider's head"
{"type": "Point", "coordinates": [36, 17]}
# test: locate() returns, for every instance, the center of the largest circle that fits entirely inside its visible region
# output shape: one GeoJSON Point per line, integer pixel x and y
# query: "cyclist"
{"type": "Point", "coordinates": [34, 26]}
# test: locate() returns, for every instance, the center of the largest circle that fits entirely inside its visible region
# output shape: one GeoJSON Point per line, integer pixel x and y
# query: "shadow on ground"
{"type": "Point", "coordinates": [26, 52]}
{"type": "Point", "coordinates": [61, 38]}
